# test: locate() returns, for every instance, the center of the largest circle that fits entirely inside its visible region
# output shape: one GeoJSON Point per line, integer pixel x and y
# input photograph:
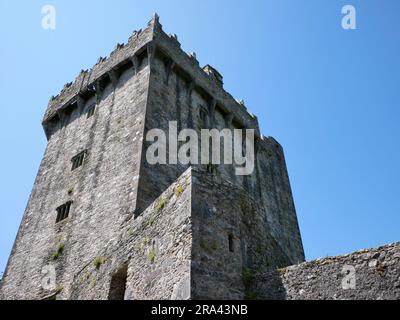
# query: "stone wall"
{"type": "Point", "coordinates": [155, 249]}
{"type": "Point", "coordinates": [275, 194]}
{"type": "Point", "coordinates": [103, 189]}
{"type": "Point", "coordinates": [362, 275]}
{"type": "Point", "coordinates": [231, 239]}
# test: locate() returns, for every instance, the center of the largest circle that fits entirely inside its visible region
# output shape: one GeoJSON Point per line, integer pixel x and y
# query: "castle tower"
{"type": "Point", "coordinates": [102, 223]}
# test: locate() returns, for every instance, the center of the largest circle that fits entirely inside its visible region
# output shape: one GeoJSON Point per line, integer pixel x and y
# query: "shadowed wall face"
{"type": "Point", "coordinates": [231, 241]}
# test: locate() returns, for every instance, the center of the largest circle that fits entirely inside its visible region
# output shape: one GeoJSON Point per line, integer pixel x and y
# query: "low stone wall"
{"type": "Point", "coordinates": [154, 250]}
{"type": "Point", "coordinates": [372, 274]}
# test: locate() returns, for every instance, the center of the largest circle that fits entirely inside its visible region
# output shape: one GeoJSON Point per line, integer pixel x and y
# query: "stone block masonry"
{"type": "Point", "coordinates": [372, 274]}
{"type": "Point", "coordinates": [154, 251]}
{"type": "Point", "coordinates": [102, 223]}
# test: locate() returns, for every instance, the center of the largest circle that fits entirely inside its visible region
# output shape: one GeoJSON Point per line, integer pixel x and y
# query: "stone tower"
{"type": "Point", "coordinates": [102, 223]}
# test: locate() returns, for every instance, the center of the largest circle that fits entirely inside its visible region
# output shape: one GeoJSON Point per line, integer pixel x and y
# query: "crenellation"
{"type": "Point", "coordinates": [134, 35]}
{"type": "Point", "coordinates": [120, 55]}
{"type": "Point", "coordinates": [174, 41]}
{"type": "Point", "coordinates": [100, 60]}
{"type": "Point", "coordinates": [117, 47]}
{"type": "Point", "coordinates": [102, 66]}
{"type": "Point", "coordinates": [67, 85]}
{"type": "Point", "coordinates": [203, 81]}
{"type": "Point", "coordinates": [214, 75]}
{"type": "Point", "coordinates": [192, 55]}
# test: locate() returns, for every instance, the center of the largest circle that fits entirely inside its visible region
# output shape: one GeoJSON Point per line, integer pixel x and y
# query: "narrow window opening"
{"type": "Point", "coordinates": [231, 244]}
{"type": "Point", "coordinates": [118, 284]}
{"type": "Point", "coordinates": [77, 160]}
{"type": "Point", "coordinates": [63, 211]}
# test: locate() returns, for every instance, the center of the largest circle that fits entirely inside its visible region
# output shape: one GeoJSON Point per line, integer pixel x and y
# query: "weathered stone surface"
{"type": "Point", "coordinates": [364, 275]}
{"type": "Point", "coordinates": [155, 248]}
{"type": "Point", "coordinates": [230, 239]}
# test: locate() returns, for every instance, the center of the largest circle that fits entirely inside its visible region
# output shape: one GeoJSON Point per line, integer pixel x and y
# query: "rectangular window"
{"type": "Point", "coordinates": [90, 111]}
{"type": "Point", "coordinates": [77, 160]}
{"type": "Point", "coordinates": [230, 243]}
{"type": "Point", "coordinates": [63, 211]}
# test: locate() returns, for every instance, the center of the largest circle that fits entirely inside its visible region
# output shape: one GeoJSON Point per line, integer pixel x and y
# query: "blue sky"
{"type": "Point", "coordinates": [329, 95]}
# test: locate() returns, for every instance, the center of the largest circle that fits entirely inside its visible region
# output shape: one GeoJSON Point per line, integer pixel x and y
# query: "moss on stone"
{"type": "Point", "coordinates": [160, 204]}
{"type": "Point", "coordinates": [152, 256]}
{"type": "Point", "coordinates": [98, 262]}
{"type": "Point", "coordinates": [151, 221]}
{"type": "Point", "coordinates": [70, 191]}
{"type": "Point", "coordinates": [59, 250]}
{"type": "Point", "coordinates": [178, 190]}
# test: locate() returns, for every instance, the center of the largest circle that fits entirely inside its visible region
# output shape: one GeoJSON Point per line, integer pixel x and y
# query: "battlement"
{"type": "Point", "coordinates": [212, 72]}
{"type": "Point", "coordinates": [88, 80]}
{"type": "Point", "coordinates": [144, 44]}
